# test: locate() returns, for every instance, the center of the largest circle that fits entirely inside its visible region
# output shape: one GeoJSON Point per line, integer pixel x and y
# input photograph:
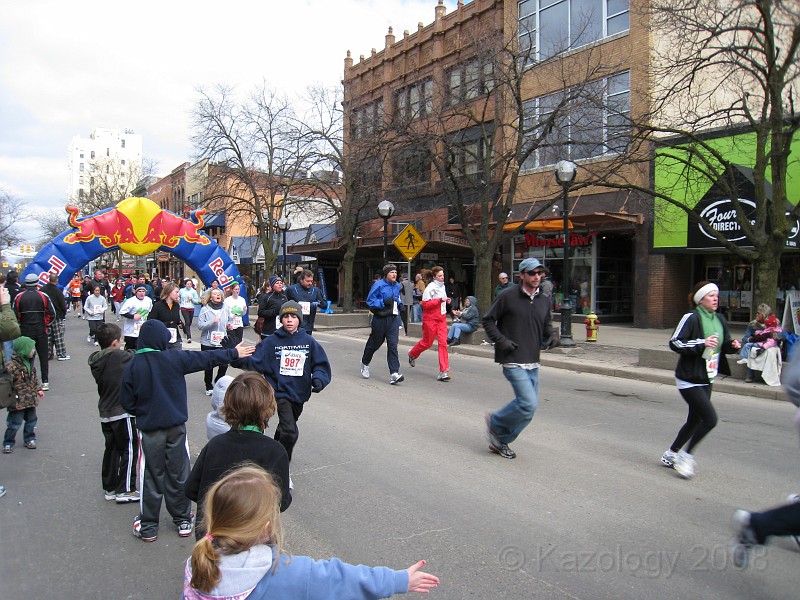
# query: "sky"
{"type": "Point", "coordinates": [67, 68]}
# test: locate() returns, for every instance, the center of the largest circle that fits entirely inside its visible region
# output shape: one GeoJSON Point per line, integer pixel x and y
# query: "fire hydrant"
{"type": "Point", "coordinates": [592, 325]}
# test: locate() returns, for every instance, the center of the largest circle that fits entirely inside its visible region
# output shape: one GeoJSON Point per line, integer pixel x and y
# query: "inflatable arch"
{"type": "Point", "coordinates": [137, 226]}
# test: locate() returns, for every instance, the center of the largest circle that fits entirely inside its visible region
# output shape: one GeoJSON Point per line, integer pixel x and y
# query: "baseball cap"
{"type": "Point", "coordinates": [530, 264]}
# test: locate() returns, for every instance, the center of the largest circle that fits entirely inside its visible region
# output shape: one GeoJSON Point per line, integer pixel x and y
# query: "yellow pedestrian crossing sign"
{"type": "Point", "coordinates": [409, 242]}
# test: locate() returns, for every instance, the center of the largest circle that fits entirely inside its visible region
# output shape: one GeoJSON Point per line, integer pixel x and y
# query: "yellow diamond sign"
{"type": "Point", "coordinates": [409, 242]}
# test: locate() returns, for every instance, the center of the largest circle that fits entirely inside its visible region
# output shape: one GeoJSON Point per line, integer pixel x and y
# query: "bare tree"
{"type": "Point", "coordinates": [12, 211]}
{"type": "Point", "coordinates": [353, 201]}
{"type": "Point", "coordinates": [727, 67]}
{"type": "Point", "coordinates": [256, 157]}
{"type": "Point", "coordinates": [52, 223]}
{"type": "Point", "coordinates": [482, 131]}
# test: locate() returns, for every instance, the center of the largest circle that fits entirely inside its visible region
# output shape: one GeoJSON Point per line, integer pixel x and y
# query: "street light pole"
{"type": "Point", "coordinates": [385, 210]}
{"type": "Point", "coordinates": [565, 175]}
{"type": "Point", "coordinates": [284, 225]}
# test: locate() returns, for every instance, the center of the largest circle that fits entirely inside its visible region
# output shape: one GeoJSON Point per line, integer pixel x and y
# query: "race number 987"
{"type": "Point", "coordinates": [292, 363]}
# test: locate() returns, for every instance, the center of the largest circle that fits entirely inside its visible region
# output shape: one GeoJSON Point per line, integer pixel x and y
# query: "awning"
{"type": "Point", "coordinates": [591, 220]}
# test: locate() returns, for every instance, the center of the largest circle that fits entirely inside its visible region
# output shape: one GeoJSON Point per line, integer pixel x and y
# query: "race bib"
{"type": "Point", "coordinates": [292, 363]}
{"type": "Point", "coordinates": [443, 306]}
{"type": "Point", "coordinates": [217, 337]}
{"type": "Point", "coordinates": [173, 334]}
{"type": "Point", "coordinates": [305, 308]}
{"type": "Point", "coordinates": [137, 325]}
{"type": "Point", "coordinates": [236, 322]}
{"type": "Point", "coordinates": [278, 323]}
{"type": "Point", "coordinates": [99, 310]}
{"type": "Point", "coordinates": [712, 364]}
{"type": "Point", "coordinates": [394, 309]}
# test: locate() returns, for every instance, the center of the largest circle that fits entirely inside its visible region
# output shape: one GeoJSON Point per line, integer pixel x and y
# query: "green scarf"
{"type": "Point", "coordinates": [23, 346]}
{"type": "Point", "coordinates": [711, 325]}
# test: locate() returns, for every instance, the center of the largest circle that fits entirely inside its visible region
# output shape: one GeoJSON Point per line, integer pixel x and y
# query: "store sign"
{"type": "Point", "coordinates": [721, 215]}
{"type": "Point", "coordinates": [534, 240]}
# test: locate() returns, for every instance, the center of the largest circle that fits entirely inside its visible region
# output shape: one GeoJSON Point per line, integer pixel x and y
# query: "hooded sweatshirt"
{"type": "Point", "coordinates": [434, 298]}
{"type": "Point", "coordinates": [470, 315]}
{"type": "Point", "coordinates": [24, 380]}
{"type": "Point", "coordinates": [215, 422]}
{"type": "Point", "coordinates": [153, 388]}
{"type": "Point", "coordinates": [288, 383]}
{"type": "Point", "coordinates": [107, 367]}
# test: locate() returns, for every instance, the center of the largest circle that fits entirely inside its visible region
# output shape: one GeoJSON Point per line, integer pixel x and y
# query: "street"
{"type": "Point", "coordinates": [388, 475]}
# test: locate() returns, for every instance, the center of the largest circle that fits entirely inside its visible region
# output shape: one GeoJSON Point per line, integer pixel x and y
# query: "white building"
{"type": "Point", "coordinates": [107, 153]}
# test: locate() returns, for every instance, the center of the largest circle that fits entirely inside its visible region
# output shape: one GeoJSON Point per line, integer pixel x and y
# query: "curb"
{"type": "Point", "coordinates": [646, 374]}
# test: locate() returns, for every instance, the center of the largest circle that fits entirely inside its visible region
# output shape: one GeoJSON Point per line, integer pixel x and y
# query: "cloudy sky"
{"type": "Point", "coordinates": [69, 67]}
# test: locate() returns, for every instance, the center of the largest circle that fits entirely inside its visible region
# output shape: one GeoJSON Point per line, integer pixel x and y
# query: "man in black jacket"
{"type": "Point", "coordinates": [57, 326]}
{"type": "Point", "coordinates": [519, 324]}
{"type": "Point", "coordinates": [269, 305]}
{"type": "Point", "coordinates": [35, 314]}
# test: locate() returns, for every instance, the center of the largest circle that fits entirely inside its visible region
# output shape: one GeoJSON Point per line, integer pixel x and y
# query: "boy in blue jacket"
{"type": "Point", "coordinates": [295, 365]}
{"type": "Point", "coordinates": [154, 391]}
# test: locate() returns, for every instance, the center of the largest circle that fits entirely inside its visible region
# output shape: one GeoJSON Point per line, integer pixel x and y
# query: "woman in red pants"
{"type": "Point", "coordinates": [434, 323]}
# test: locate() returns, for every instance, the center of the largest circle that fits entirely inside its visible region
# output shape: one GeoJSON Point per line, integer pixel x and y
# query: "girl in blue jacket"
{"type": "Point", "coordinates": [240, 555]}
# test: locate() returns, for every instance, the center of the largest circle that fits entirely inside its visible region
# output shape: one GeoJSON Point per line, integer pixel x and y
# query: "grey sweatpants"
{"type": "Point", "coordinates": [163, 471]}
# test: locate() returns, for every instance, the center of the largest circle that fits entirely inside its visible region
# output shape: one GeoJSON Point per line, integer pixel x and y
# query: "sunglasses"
{"type": "Point", "coordinates": [537, 272]}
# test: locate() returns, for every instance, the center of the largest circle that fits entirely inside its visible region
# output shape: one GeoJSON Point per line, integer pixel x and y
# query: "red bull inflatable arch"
{"type": "Point", "coordinates": [137, 226]}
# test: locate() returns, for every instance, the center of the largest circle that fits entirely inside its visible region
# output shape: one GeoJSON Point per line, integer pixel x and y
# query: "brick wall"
{"type": "Point", "coordinates": [669, 284]}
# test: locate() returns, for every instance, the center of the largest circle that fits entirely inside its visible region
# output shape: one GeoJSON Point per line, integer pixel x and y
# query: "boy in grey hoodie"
{"type": "Point", "coordinates": [215, 422]}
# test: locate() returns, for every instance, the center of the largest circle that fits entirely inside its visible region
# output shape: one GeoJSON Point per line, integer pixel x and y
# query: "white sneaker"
{"type": "Point", "coordinates": [89, 339]}
{"type": "Point", "coordinates": [668, 458]}
{"type": "Point", "coordinates": [443, 376]}
{"type": "Point", "coordinates": [365, 371]}
{"type": "Point", "coordinates": [741, 361]}
{"type": "Point", "coordinates": [96, 344]}
{"type": "Point", "coordinates": [45, 386]}
{"type": "Point", "coordinates": [395, 378]}
{"type": "Point", "coordinates": [67, 357]}
{"type": "Point", "coordinates": [685, 465]}
{"type": "Point", "coordinates": [209, 392]}
{"type": "Point", "coordinates": [291, 483]}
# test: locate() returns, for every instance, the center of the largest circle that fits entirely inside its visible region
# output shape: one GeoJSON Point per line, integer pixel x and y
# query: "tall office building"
{"type": "Point", "coordinates": [107, 158]}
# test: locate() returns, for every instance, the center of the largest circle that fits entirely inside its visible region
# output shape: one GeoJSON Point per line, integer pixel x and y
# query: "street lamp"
{"type": "Point", "coordinates": [565, 175]}
{"type": "Point", "coordinates": [385, 210]}
{"type": "Point", "coordinates": [284, 224]}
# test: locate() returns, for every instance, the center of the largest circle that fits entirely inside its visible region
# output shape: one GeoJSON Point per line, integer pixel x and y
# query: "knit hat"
{"type": "Point", "coordinates": [274, 279]}
{"type": "Point", "coordinates": [31, 279]}
{"type": "Point", "coordinates": [388, 269]}
{"type": "Point", "coordinates": [140, 286]}
{"type": "Point", "coordinates": [291, 308]}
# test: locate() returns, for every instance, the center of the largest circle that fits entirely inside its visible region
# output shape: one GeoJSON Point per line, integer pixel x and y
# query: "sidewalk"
{"type": "Point", "coordinates": [615, 355]}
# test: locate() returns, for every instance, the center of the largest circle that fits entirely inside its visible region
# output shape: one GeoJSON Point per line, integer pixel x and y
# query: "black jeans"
{"type": "Point", "coordinates": [702, 417]}
{"type": "Point", "coordinates": [286, 432]}
{"type": "Point", "coordinates": [784, 520]}
{"type": "Point", "coordinates": [188, 316]}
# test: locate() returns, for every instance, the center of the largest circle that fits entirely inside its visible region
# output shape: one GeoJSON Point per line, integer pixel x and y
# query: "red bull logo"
{"type": "Point", "coordinates": [116, 228]}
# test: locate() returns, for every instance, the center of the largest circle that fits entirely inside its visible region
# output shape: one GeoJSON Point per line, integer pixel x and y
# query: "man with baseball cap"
{"type": "Point", "coordinates": [35, 314]}
{"type": "Point", "coordinates": [519, 324]}
{"type": "Point", "coordinates": [385, 305]}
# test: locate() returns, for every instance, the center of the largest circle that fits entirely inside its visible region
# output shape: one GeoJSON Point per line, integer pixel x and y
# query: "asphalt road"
{"type": "Point", "coordinates": [389, 475]}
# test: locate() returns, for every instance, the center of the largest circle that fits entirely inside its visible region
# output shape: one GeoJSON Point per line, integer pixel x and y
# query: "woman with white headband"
{"type": "Point", "coordinates": [702, 340]}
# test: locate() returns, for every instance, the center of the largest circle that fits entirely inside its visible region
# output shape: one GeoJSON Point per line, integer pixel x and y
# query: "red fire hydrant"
{"type": "Point", "coordinates": [592, 325]}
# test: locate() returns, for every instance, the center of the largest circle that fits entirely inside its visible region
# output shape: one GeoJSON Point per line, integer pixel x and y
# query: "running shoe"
{"type": "Point", "coordinates": [110, 495]}
{"type": "Point", "coordinates": [209, 392]}
{"type": "Point", "coordinates": [137, 531]}
{"type": "Point", "coordinates": [395, 378]}
{"type": "Point", "coordinates": [685, 465]}
{"type": "Point", "coordinates": [443, 376]}
{"type": "Point", "coordinates": [745, 538]}
{"type": "Point", "coordinates": [503, 450]}
{"type": "Point", "coordinates": [31, 445]}
{"type": "Point", "coordinates": [365, 371]}
{"type": "Point", "coordinates": [126, 497]}
{"type": "Point", "coordinates": [45, 386]}
{"type": "Point", "coordinates": [2, 491]}
{"type": "Point", "coordinates": [7, 449]}
{"type": "Point", "coordinates": [185, 527]}
{"type": "Point", "coordinates": [411, 360]}
{"type": "Point", "coordinates": [668, 458]}
{"type": "Point", "coordinates": [65, 357]}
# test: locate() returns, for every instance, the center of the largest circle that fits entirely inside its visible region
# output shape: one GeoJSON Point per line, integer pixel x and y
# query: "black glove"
{"type": "Point", "coordinates": [553, 341]}
{"type": "Point", "coordinates": [506, 345]}
{"type": "Point", "coordinates": [228, 343]}
{"type": "Point", "coordinates": [316, 385]}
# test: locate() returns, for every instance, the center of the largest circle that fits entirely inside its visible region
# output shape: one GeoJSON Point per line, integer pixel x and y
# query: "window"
{"type": "Point", "coordinates": [108, 151]}
{"type": "Point", "coordinates": [470, 152]}
{"type": "Point", "coordinates": [548, 27]}
{"type": "Point", "coordinates": [80, 167]}
{"type": "Point", "coordinates": [414, 101]}
{"type": "Point", "coordinates": [92, 155]}
{"type": "Point", "coordinates": [80, 180]}
{"type": "Point", "coordinates": [411, 166]}
{"type": "Point", "coordinates": [123, 162]}
{"type": "Point", "coordinates": [366, 120]}
{"type": "Point", "coordinates": [579, 123]}
{"type": "Point", "coordinates": [123, 143]}
{"type": "Point", "coordinates": [468, 81]}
